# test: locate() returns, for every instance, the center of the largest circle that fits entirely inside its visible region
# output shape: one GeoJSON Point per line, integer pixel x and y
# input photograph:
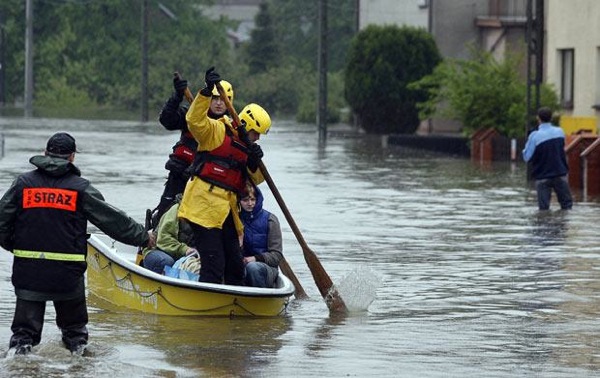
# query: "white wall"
{"type": "Point", "coordinates": [575, 25]}
{"type": "Point", "coordinates": [392, 12]}
{"type": "Point", "coordinates": [243, 11]}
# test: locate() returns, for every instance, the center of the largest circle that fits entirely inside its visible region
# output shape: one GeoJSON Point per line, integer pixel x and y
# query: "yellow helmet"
{"type": "Point", "coordinates": [255, 118]}
{"type": "Point", "coordinates": [227, 87]}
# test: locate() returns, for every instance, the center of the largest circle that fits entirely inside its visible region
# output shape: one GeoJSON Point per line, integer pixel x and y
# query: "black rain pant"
{"type": "Point", "coordinates": [71, 318]}
{"type": "Point", "coordinates": [221, 258]}
{"type": "Point", "coordinates": [175, 185]}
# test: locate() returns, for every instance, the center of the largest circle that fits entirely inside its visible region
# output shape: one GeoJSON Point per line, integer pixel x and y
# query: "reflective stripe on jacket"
{"type": "Point", "coordinates": [48, 255]}
{"type": "Point", "coordinates": [50, 241]}
{"type": "Point", "coordinates": [54, 225]}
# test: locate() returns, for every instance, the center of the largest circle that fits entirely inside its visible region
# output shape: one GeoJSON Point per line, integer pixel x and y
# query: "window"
{"type": "Point", "coordinates": [567, 73]}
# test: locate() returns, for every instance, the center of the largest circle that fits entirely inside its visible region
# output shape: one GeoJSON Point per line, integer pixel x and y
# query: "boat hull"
{"type": "Point", "coordinates": [116, 279]}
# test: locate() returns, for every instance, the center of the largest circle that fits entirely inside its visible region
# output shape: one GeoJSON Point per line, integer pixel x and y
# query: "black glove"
{"type": "Point", "coordinates": [255, 153]}
{"type": "Point", "coordinates": [210, 78]}
{"type": "Point", "coordinates": [179, 84]}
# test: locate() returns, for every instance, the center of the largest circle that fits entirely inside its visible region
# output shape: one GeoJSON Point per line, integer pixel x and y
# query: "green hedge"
{"type": "Point", "coordinates": [481, 93]}
{"type": "Point", "coordinates": [382, 62]}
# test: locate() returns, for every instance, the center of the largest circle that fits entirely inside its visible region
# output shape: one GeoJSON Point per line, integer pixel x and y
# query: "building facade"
{"type": "Point", "coordinates": [242, 11]}
{"type": "Point", "coordinates": [573, 55]}
{"type": "Point", "coordinates": [393, 12]}
{"type": "Point", "coordinates": [497, 26]}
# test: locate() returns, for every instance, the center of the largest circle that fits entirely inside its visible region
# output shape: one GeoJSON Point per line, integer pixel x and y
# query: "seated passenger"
{"type": "Point", "coordinates": [262, 246]}
{"type": "Point", "coordinates": [173, 241]}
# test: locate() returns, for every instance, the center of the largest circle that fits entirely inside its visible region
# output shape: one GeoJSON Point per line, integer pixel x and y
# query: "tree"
{"type": "Point", "coordinates": [382, 62]}
{"type": "Point", "coordinates": [296, 27]}
{"type": "Point", "coordinates": [481, 93]}
{"type": "Point", "coordinates": [262, 52]}
{"type": "Point", "coordinates": [88, 53]}
{"type": "Point", "coordinates": [280, 70]}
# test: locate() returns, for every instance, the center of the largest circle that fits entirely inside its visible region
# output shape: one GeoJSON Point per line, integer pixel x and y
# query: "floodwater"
{"type": "Point", "coordinates": [467, 278]}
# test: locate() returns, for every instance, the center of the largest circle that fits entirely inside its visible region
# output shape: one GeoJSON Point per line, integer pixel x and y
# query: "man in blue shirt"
{"type": "Point", "coordinates": [545, 148]}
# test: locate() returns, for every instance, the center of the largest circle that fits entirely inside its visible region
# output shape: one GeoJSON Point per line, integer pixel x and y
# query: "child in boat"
{"type": "Point", "coordinates": [262, 245]}
{"type": "Point", "coordinates": [173, 240]}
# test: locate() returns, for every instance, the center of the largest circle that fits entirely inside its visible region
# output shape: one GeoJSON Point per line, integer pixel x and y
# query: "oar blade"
{"type": "Point", "coordinates": [332, 298]}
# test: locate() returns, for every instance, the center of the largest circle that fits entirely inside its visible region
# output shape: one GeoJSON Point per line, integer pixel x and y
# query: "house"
{"type": "Point", "coordinates": [242, 11]}
{"type": "Point", "coordinates": [573, 56]}
{"type": "Point", "coordinates": [393, 12]}
{"type": "Point", "coordinates": [497, 26]}
{"type": "Point", "coordinates": [571, 43]}
{"type": "Point", "coordinates": [494, 25]}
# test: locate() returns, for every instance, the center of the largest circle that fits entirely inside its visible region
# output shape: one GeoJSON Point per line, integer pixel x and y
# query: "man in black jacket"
{"type": "Point", "coordinates": [43, 222]}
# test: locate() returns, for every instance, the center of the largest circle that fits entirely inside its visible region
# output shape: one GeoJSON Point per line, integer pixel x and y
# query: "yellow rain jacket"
{"type": "Point", "coordinates": [203, 203]}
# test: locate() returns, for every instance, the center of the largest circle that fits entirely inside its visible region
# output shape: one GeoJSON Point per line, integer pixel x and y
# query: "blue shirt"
{"type": "Point", "coordinates": [545, 148]}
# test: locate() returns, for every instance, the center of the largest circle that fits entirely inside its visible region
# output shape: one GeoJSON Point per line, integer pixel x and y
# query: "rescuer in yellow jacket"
{"type": "Point", "coordinates": [221, 168]}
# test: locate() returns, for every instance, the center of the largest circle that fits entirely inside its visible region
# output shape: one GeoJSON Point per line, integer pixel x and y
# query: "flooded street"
{"type": "Point", "coordinates": [472, 280]}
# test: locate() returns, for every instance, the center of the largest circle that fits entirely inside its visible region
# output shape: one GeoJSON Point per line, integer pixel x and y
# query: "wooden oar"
{"type": "Point", "coordinates": [299, 293]}
{"type": "Point", "coordinates": [285, 267]}
{"type": "Point", "coordinates": [187, 93]}
{"type": "Point", "coordinates": [328, 291]}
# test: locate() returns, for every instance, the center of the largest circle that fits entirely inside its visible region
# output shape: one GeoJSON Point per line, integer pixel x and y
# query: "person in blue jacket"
{"type": "Point", "coordinates": [262, 245]}
{"type": "Point", "coordinates": [545, 149]}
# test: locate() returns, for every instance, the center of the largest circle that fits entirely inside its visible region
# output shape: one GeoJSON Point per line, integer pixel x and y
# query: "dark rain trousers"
{"type": "Point", "coordinates": [560, 185]}
{"type": "Point", "coordinates": [175, 185]}
{"type": "Point", "coordinates": [220, 253]}
{"type": "Point", "coordinates": [71, 318]}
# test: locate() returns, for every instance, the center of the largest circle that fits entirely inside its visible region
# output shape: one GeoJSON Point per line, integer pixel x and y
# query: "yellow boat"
{"type": "Point", "coordinates": [114, 277]}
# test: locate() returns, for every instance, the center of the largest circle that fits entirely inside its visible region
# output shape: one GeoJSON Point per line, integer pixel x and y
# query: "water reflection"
{"type": "Point", "coordinates": [550, 228]}
{"type": "Point", "coordinates": [322, 336]}
{"type": "Point", "coordinates": [203, 346]}
{"type": "Point", "coordinates": [475, 282]}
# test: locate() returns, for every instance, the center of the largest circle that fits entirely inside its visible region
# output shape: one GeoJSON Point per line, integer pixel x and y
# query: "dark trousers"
{"type": "Point", "coordinates": [175, 185]}
{"type": "Point", "coordinates": [220, 253]}
{"type": "Point", "coordinates": [560, 185]}
{"type": "Point", "coordinates": [71, 318]}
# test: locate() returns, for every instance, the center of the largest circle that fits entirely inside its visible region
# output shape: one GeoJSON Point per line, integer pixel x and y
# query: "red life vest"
{"type": "Point", "coordinates": [185, 149]}
{"type": "Point", "coordinates": [225, 166]}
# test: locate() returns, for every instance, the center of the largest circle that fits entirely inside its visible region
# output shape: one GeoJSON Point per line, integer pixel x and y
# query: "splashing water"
{"type": "Point", "coordinates": [358, 288]}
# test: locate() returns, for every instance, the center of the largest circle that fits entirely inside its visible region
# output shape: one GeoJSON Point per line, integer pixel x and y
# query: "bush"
{"type": "Point", "coordinates": [382, 61]}
{"type": "Point", "coordinates": [481, 93]}
{"type": "Point", "coordinates": [58, 94]}
{"type": "Point", "coordinates": [277, 90]}
{"type": "Point", "coordinates": [307, 109]}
